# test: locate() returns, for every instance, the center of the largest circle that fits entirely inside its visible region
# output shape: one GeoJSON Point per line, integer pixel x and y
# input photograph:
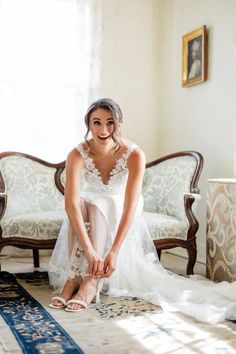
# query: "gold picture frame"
{"type": "Point", "coordinates": [194, 57]}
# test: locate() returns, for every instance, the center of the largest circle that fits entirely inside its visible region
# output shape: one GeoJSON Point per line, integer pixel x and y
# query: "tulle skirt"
{"type": "Point", "coordinates": [138, 270]}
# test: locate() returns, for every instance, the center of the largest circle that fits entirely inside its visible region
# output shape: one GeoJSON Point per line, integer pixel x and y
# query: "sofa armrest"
{"type": "Point", "coordinates": [3, 203]}
{"type": "Point", "coordinates": [189, 199]}
{"type": "Point", "coordinates": [196, 196]}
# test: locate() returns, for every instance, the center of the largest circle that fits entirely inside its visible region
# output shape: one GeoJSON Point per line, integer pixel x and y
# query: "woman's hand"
{"type": "Point", "coordinates": [110, 264]}
{"type": "Point", "coordinates": [96, 265]}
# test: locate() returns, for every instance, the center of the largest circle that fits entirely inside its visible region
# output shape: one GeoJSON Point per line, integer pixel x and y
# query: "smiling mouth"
{"type": "Point", "coordinates": [104, 137]}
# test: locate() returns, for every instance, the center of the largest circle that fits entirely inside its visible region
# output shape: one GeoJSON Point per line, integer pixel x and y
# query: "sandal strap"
{"type": "Point", "coordinates": [79, 302]}
{"type": "Point", "coordinates": [59, 298]}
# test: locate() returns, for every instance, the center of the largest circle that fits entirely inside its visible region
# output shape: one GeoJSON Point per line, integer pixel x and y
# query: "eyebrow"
{"type": "Point", "coordinates": [95, 118]}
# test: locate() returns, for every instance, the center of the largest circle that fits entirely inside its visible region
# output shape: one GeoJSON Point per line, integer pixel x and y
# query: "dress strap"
{"type": "Point", "coordinates": [130, 149]}
{"type": "Point", "coordinates": [80, 148]}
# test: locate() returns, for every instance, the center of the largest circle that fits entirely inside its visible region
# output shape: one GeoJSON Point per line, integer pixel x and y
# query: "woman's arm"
{"type": "Point", "coordinates": [74, 166]}
{"type": "Point", "coordinates": [136, 167]}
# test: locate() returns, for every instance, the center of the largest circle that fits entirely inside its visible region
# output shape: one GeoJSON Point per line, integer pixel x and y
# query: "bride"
{"type": "Point", "coordinates": [105, 243]}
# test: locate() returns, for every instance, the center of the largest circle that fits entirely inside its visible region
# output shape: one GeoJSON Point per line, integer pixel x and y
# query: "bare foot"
{"type": "Point", "coordinates": [70, 287]}
{"type": "Point", "coordinates": [85, 294]}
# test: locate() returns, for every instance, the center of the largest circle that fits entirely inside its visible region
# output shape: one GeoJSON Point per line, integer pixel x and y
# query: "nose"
{"type": "Point", "coordinates": [103, 130]}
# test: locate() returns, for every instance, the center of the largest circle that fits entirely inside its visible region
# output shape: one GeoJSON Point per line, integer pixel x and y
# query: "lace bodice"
{"type": "Point", "coordinates": [92, 180]}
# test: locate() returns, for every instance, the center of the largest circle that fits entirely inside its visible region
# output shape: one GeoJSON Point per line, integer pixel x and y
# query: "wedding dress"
{"type": "Point", "coordinates": [138, 271]}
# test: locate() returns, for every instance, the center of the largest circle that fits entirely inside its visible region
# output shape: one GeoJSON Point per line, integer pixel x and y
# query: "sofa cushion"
{"type": "Point", "coordinates": [163, 226]}
{"type": "Point", "coordinates": [165, 185]}
{"type": "Point", "coordinates": [30, 186]}
{"type": "Point", "coordinates": [39, 225]}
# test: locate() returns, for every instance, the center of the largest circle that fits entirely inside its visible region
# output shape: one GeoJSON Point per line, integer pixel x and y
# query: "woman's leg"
{"type": "Point", "coordinates": [98, 230]}
{"type": "Point", "coordinates": [98, 234]}
{"type": "Point", "coordinates": [75, 254]}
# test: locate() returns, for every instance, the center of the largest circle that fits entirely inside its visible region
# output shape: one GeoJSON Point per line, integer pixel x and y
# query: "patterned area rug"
{"type": "Point", "coordinates": [123, 307]}
{"type": "Point", "coordinates": [127, 326]}
{"type": "Point", "coordinates": [106, 308]}
{"type": "Point", "coordinates": [34, 328]}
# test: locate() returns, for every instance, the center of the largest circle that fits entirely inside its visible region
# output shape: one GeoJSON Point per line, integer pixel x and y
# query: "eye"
{"type": "Point", "coordinates": [96, 122]}
{"type": "Point", "coordinates": [110, 123]}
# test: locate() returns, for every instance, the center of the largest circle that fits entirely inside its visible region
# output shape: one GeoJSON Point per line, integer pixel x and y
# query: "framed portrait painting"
{"type": "Point", "coordinates": [194, 57]}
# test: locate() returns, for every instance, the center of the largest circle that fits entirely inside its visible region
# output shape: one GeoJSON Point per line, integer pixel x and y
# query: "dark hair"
{"type": "Point", "coordinates": [110, 105]}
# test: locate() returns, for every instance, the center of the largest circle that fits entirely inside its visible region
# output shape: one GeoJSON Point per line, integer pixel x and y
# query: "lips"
{"type": "Point", "coordinates": [103, 137]}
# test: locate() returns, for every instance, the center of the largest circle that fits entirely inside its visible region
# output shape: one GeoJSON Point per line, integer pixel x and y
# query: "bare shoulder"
{"type": "Point", "coordinates": [137, 154]}
{"type": "Point", "coordinates": [136, 159]}
{"type": "Point", "coordinates": [74, 158]}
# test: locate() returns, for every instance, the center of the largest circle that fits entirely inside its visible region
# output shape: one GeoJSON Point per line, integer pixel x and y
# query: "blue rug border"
{"type": "Point", "coordinates": [12, 280]}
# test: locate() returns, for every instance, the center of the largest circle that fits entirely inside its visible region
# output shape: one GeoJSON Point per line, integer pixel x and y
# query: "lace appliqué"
{"type": "Point", "coordinates": [78, 266]}
{"type": "Point", "coordinates": [117, 178]}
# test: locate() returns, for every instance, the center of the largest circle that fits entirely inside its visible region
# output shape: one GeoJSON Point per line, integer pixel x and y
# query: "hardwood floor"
{"type": "Point", "coordinates": [25, 264]}
{"type": "Point", "coordinates": [178, 264]}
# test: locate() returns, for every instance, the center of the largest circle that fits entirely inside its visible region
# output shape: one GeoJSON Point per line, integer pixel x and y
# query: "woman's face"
{"type": "Point", "coordinates": [194, 54]}
{"type": "Point", "coordinates": [101, 125]}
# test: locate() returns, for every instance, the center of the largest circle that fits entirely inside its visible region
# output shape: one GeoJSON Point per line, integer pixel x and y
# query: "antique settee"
{"type": "Point", "coordinates": [32, 202]}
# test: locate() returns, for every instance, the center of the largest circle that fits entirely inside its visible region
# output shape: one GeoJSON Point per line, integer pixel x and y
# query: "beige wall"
{"type": "Point", "coordinates": [201, 117]}
{"type": "Point", "coordinates": [130, 68]}
{"type": "Point", "coordinates": [141, 58]}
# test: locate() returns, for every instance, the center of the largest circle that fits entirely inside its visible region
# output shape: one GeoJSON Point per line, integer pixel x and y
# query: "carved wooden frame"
{"type": "Point", "coordinates": [190, 243]}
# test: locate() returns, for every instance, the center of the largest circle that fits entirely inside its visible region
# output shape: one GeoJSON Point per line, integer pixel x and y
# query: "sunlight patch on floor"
{"type": "Point", "coordinates": [180, 334]}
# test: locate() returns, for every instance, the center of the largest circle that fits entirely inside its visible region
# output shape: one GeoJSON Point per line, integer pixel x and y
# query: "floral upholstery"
{"type": "Point", "coordinates": [63, 178]}
{"type": "Point", "coordinates": [35, 207]}
{"type": "Point", "coordinates": [164, 187]}
{"type": "Point", "coordinates": [164, 226]}
{"type": "Point", "coordinates": [29, 193]}
{"type": "Point", "coordinates": [43, 225]}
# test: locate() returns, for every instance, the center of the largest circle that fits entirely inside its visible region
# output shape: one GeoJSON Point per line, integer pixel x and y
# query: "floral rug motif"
{"type": "Point", "coordinates": [123, 307]}
{"type": "Point", "coordinates": [34, 328]}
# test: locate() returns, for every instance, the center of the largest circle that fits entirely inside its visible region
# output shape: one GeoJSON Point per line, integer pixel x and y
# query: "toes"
{"type": "Point", "coordinates": [75, 307]}
{"type": "Point", "coordinates": [57, 303]}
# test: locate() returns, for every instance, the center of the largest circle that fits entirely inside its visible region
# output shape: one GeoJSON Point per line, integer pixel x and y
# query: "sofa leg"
{"type": "Point", "coordinates": [36, 257]}
{"type": "Point", "coordinates": [192, 256]}
{"type": "Point", "coordinates": [0, 258]}
{"type": "Point", "coordinates": [159, 254]}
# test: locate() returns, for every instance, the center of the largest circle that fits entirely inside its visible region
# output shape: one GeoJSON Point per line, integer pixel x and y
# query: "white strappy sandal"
{"type": "Point", "coordinates": [60, 306]}
{"type": "Point", "coordinates": [95, 299]}
{"type": "Point", "coordinates": [79, 302]}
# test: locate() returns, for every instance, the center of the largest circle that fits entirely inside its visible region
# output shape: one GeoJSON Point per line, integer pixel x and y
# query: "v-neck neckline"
{"type": "Point", "coordinates": [91, 165]}
{"type": "Point", "coordinates": [111, 173]}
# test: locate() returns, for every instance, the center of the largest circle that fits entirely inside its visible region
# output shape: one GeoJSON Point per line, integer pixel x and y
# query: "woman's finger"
{"type": "Point", "coordinates": [99, 271]}
{"type": "Point", "coordinates": [109, 270]}
{"type": "Point", "coordinates": [100, 267]}
{"type": "Point", "coordinates": [90, 269]}
{"type": "Point", "coordinates": [95, 269]}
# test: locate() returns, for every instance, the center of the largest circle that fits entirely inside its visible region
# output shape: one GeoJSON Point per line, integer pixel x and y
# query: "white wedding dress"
{"type": "Point", "coordinates": [138, 271]}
